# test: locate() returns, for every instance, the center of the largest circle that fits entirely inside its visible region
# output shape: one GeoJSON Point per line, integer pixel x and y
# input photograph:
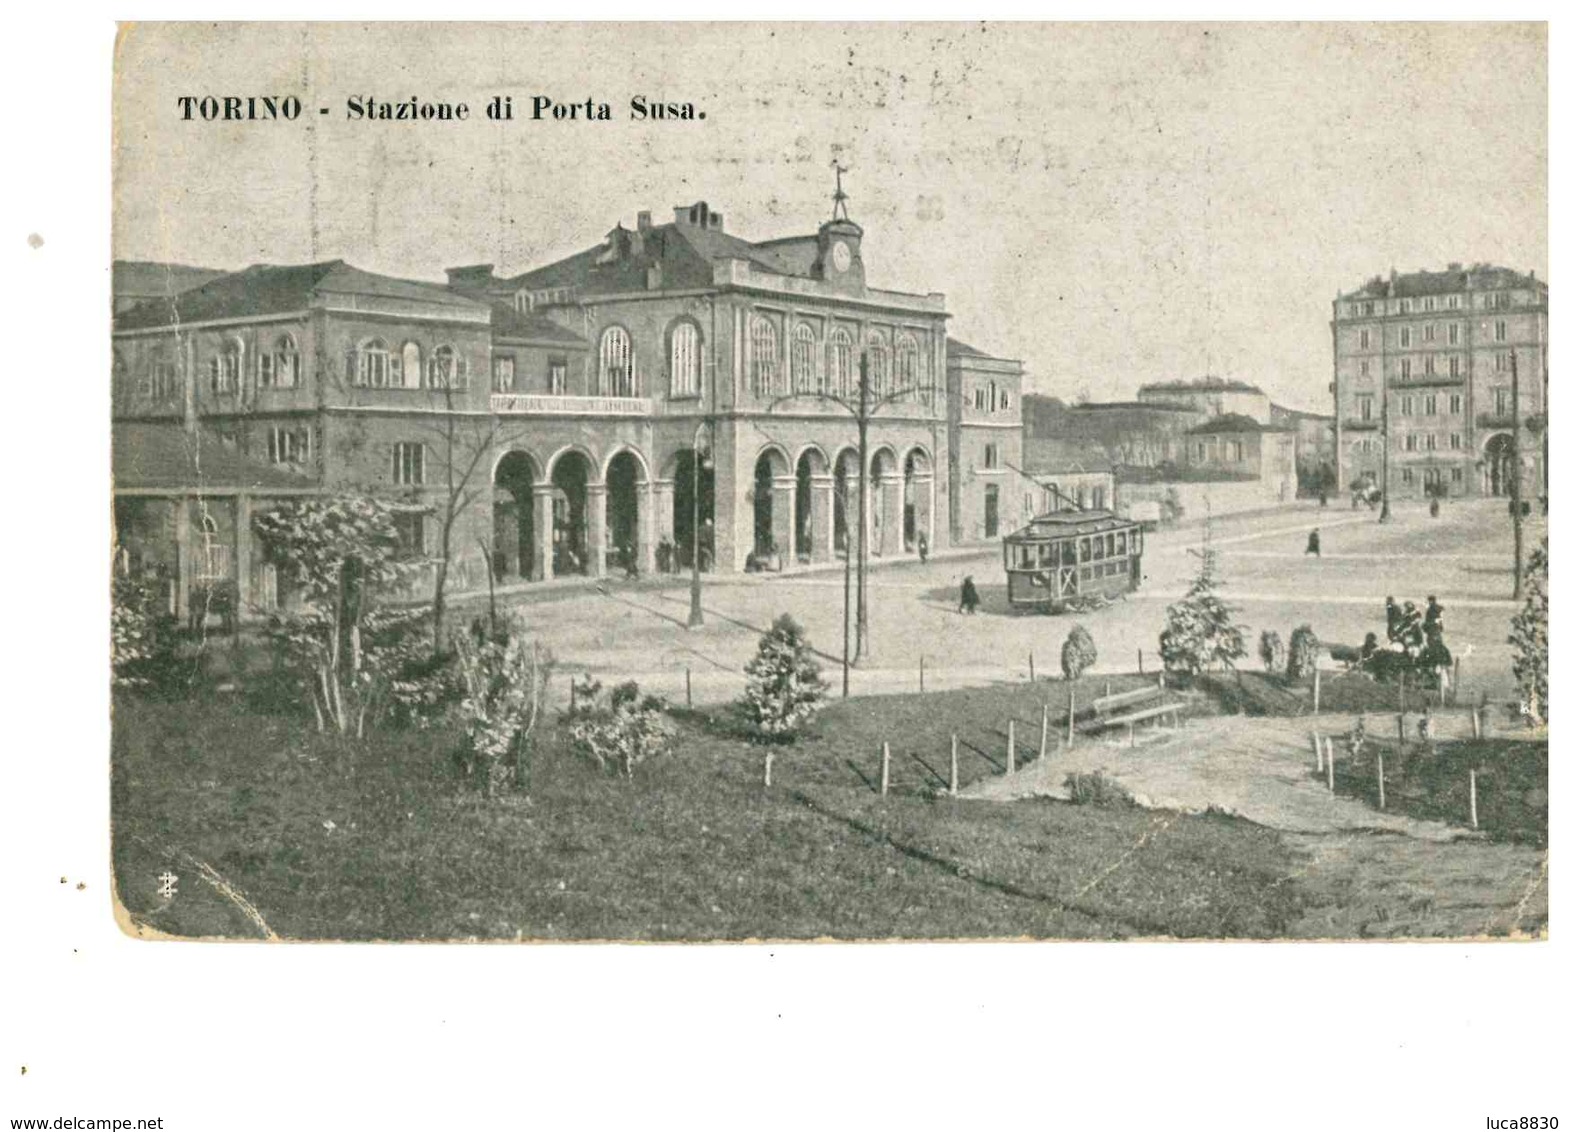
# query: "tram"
{"type": "Point", "coordinates": [1072, 560]}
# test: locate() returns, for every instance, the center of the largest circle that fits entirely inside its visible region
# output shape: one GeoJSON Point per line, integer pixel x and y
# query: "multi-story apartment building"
{"type": "Point", "coordinates": [673, 386]}
{"type": "Point", "coordinates": [1433, 350]}
{"type": "Point", "coordinates": [989, 494]}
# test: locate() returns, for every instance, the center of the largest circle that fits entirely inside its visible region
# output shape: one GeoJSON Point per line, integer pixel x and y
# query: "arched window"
{"type": "Point", "coordinates": [617, 364]}
{"type": "Point", "coordinates": [804, 376]}
{"type": "Point", "coordinates": [876, 365]}
{"type": "Point", "coordinates": [446, 369]}
{"type": "Point", "coordinates": [411, 365]}
{"type": "Point", "coordinates": [842, 352]}
{"type": "Point", "coordinates": [905, 359]}
{"type": "Point", "coordinates": [765, 357]}
{"type": "Point", "coordinates": [279, 367]}
{"type": "Point", "coordinates": [373, 368]}
{"type": "Point", "coordinates": [686, 359]}
{"type": "Point", "coordinates": [224, 368]}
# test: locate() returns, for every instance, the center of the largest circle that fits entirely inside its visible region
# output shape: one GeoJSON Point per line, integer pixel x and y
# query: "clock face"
{"type": "Point", "coordinates": [841, 255]}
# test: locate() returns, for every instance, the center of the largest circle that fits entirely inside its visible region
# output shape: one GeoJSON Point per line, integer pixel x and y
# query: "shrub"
{"type": "Point", "coordinates": [144, 643]}
{"type": "Point", "coordinates": [344, 554]}
{"type": "Point", "coordinates": [1078, 652]}
{"type": "Point", "coordinates": [784, 686]}
{"type": "Point", "coordinates": [505, 677]}
{"type": "Point", "coordinates": [626, 732]}
{"type": "Point", "coordinates": [1271, 650]}
{"type": "Point", "coordinates": [1199, 632]}
{"type": "Point", "coordinates": [1302, 658]}
{"type": "Point", "coordinates": [1528, 635]}
{"type": "Point", "coordinates": [1097, 789]}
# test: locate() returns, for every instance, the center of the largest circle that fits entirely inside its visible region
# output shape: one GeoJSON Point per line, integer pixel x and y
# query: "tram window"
{"type": "Point", "coordinates": [1027, 557]}
{"type": "Point", "coordinates": [1049, 554]}
{"type": "Point", "coordinates": [1084, 550]}
{"type": "Point", "coordinates": [1122, 543]}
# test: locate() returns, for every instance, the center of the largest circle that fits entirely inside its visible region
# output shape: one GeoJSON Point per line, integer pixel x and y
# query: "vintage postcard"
{"type": "Point", "coordinates": [725, 482]}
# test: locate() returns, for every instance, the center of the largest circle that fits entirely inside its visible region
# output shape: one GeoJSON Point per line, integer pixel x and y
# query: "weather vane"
{"type": "Point", "coordinates": [840, 196]}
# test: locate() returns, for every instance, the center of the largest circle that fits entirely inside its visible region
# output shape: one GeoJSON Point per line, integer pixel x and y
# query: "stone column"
{"type": "Point", "coordinates": [244, 598]}
{"type": "Point", "coordinates": [784, 520]}
{"type": "Point", "coordinates": [647, 527]}
{"type": "Point", "coordinates": [893, 514]}
{"type": "Point", "coordinates": [598, 529]}
{"type": "Point", "coordinates": [923, 489]}
{"type": "Point", "coordinates": [822, 518]}
{"type": "Point", "coordinates": [664, 511]}
{"type": "Point", "coordinates": [544, 533]}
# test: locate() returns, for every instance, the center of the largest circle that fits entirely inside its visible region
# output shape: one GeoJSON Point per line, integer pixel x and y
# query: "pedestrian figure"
{"type": "Point", "coordinates": [1432, 508]}
{"type": "Point", "coordinates": [921, 546]}
{"type": "Point", "coordinates": [969, 596]}
{"type": "Point", "coordinates": [1433, 619]}
{"type": "Point", "coordinates": [1391, 618]}
{"type": "Point", "coordinates": [1323, 498]}
{"type": "Point", "coordinates": [1312, 546]}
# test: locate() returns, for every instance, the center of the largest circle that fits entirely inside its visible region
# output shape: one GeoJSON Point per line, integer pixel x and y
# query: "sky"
{"type": "Point", "coordinates": [1110, 203]}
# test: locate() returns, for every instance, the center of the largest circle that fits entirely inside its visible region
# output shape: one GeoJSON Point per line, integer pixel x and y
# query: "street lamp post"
{"type": "Point", "coordinates": [1383, 510]}
{"type": "Point", "coordinates": [694, 617]}
{"type": "Point", "coordinates": [1514, 478]}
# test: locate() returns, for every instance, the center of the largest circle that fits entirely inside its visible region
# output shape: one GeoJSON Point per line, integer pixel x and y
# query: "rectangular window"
{"type": "Point", "coordinates": [1454, 334]}
{"type": "Point", "coordinates": [1367, 309]}
{"type": "Point", "coordinates": [1454, 302]}
{"type": "Point", "coordinates": [1408, 442]}
{"type": "Point", "coordinates": [1429, 363]}
{"type": "Point", "coordinates": [1405, 336]}
{"type": "Point", "coordinates": [288, 445]}
{"type": "Point", "coordinates": [412, 531]}
{"type": "Point", "coordinates": [1405, 306]}
{"type": "Point", "coordinates": [1365, 339]}
{"type": "Point", "coordinates": [1456, 475]}
{"type": "Point", "coordinates": [164, 384]}
{"type": "Point", "coordinates": [1501, 404]}
{"type": "Point", "coordinates": [1199, 451]}
{"type": "Point", "coordinates": [989, 456]}
{"type": "Point", "coordinates": [1500, 329]}
{"type": "Point", "coordinates": [1364, 409]}
{"type": "Point", "coordinates": [1429, 331]}
{"type": "Point", "coordinates": [1236, 450]}
{"type": "Point", "coordinates": [1454, 366]}
{"type": "Point", "coordinates": [1407, 406]}
{"type": "Point", "coordinates": [1500, 363]}
{"type": "Point", "coordinates": [503, 373]}
{"type": "Point", "coordinates": [408, 464]}
{"type": "Point", "coordinates": [1432, 442]}
{"type": "Point", "coordinates": [1455, 402]}
{"type": "Point", "coordinates": [558, 376]}
{"type": "Point", "coordinates": [1454, 441]}
{"type": "Point", "coordinates": [1003, 399]}
{"type": "Point", "coordinates": [1407, 476]}
{"type": "Point", "coordinates": [1430, 405]}
{"type": "Point", "coordinates": [1364, 368]}
{"type": "Point", "coordinates": [1405, 368]}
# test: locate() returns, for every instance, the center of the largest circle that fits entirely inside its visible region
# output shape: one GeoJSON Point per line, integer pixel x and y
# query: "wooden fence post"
{"type": "Point", "coordinates": [1070, 715]}
{"type": "Point", "coordinates": [953, 766]}
{"type": "Point", "coordinates": [1132, 742]}
{"type": "Point", "coordinates": [923, 673]}
{"type": "Point", "coordinates": [1400, 728]}
{"type": "Point", "coordinates": [1044, 728]}
{"type": "Point", "coordinates": [1141, 662]}
{"type": "Point", "coordinates": [1032, 666]}
{"type": "Point", "coordinates": [1454, 681]}
{"type": "Point", "coordinates": [1316, 676]}
{"type": "Point", "coordinates": [571, 697]}
{"type": "Point", "coordinates": [1381, 779]}
{"type": "Point", "coordinates": [768, 770]}
{"type": "Point", "coordinates": [1010, 746]}
{"type": "Point", "coordinates": [886, 758]}
{"type": "Point", "coordinates": [1476, 723]}
{"type": "Point", "coordinates": [1329, 745]}
{"type": "Point", "coordinates": [1402, 693]}
{"type": "Point", "coordinates": [689, 685]}
{"type": "Point", "coordinates": [1160, 679]}
{"type": "Point", "coordinates": [1318, 752]}
{"type": "Point", "coordinates": [1108, 687]}
{"type": "Point", "coordinates": [1474, 823]}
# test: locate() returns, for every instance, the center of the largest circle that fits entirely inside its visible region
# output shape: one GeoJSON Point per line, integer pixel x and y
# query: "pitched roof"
{"type": "Point", "coordinates": [143, 279]}
{"type": "Point", "coordinates": [506, 322]}
{"type": "Point", "coordinates": [264, 289]}
{"type": "Point", "coordinates": [1455, 277]}
{"type": "Point", "coordinates": [162, 454]}
{"type": "Point", "coordinates": [1201, 385]}
{"type": "Point", "coordinates": [957, 348]}
{"type": "Point", "coordinates": [1050, 455]}
{"type": "Point", "coordinates": [1233, 422]}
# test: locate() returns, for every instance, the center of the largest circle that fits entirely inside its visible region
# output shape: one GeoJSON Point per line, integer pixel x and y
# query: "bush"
{"type": "Point", "coordinates": [1271, 650]}
{"type": "Point", "coordinates": [1078, 652]}
{"type": "Point", "coordinates": [504, 677]}
{"type": "Point", "coordinates": [1303, 656]}
{"type": "Point", "coordinates": [784, 686]}
{"type": "Point", "coordinates": [1199, 632]}
{"type": "Point", "coordinates": [1097, 789]}
{"type": "Point", "coordinates": [626, 732]}
{"type": "Point", "coordinates": [1528, 635]}
{"type": "Point", "coordinates": [144, 643]}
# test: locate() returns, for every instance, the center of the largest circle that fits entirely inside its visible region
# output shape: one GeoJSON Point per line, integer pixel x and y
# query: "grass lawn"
{"type": "Point", "coordinates": [383, 841]}
{"type": "Point", "coordinates": [1434, 783]}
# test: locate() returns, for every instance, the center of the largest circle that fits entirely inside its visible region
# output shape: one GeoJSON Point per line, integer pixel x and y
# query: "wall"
{"type": "Point", "coordinates": [1222, 497]}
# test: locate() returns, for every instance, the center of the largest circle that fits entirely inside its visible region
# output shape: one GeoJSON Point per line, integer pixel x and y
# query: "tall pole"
{"type": "Point", "coordinates": [694, 616]}
{"type": "Point", "coordinates": [1383, 511]}
{"type": "Point", "coordinates": [863, 641]}
{"type": "Point", "coordinates": [1514, 478]}
{"type": "Point", "coordinates": [844, 658]}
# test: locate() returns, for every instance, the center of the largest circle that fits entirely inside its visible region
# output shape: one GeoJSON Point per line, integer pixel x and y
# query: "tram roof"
{"type": "Point", "coordinates": [1065, 524]}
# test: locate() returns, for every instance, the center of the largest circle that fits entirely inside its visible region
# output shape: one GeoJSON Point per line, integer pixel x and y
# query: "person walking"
{"type": "Point", "coordinates": [1312, 546]}
{"type": "Point", "coordinates": [969, 596]}
{"type": "Point", "coordinates": [921, 545]}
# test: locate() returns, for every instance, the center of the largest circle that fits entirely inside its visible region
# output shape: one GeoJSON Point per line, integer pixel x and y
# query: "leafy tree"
{"type": "Point", "coordinates": [784, 686]}
{"type": "Point", "coordinates": [1271, 650]}
{"type": "Point", "coordinates": [1078, 652]}
{"type": "Point", "coordinates": [1303, 657]}
{"type": "Point", "coordinates": [1528, 635]}
{"type": "Point", "coordinates": [626, 732]}
{"type": "Point", "coordinates": [1199, 632]}
{"type": "Point", "coordinates": [345, 557]}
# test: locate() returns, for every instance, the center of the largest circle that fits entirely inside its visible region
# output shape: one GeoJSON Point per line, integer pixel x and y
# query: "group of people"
{"type": "Point", "coordinates": [1411, 630]}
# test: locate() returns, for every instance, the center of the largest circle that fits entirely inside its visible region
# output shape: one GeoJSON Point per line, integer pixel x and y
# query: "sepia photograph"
{"type": "Point", "coordinates": [854, 482]}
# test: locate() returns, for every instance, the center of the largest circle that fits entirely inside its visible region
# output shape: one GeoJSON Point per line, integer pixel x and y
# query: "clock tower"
{"type": "Point", "coordinates": [839, 242]}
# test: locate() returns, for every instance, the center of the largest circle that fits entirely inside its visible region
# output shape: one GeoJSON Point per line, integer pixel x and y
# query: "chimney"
{"type": "Point", "coordinates": [716, 222]}
{"type": "Point", "coordinates": [474, 277]}
{"type": "Point", "coordinates": [645, 220]}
